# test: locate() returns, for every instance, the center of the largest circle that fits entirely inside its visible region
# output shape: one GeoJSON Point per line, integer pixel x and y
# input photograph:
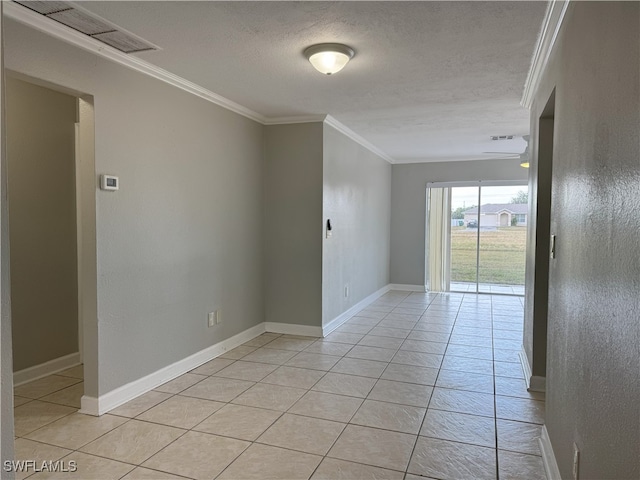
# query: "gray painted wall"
{"type": "Point", "coordinates": [183, 236]}
{"type": "Point", "coordinates": [593, 361]}
{"type": "Point", "coordinates": [408, 202]}
{"type": "Point", "coordinates": [6, 361]}
{"type": "Point", "coordinates": [293, 224]}
{"type": "Point", "coordinates": [42, 210]}
{"type": "Point", "coordinates": [357, 194]}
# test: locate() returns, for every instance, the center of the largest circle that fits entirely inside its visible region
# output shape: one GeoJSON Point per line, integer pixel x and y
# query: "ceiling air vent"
{"type": "Point", "coordinates": [502, 137]}
{"type": "Point", "coordinates": [90, 24]}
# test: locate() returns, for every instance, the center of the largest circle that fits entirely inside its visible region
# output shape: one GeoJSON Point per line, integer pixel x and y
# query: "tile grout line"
{"type": "Point", "coordinates": [324, 373]}
{"type": "Point", "coordinates": [415, 443]}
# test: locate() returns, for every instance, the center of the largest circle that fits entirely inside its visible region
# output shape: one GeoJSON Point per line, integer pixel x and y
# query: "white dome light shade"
{"type": "Point", "coordinates": [329, 58]}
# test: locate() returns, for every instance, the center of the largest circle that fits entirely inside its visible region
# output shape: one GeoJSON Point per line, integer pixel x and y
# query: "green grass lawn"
{"type": "Point", "coordinates": [502, 255]}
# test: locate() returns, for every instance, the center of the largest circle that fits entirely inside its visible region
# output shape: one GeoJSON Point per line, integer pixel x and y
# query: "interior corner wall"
{"type": "Point", "coordinates": [408, 207]}
{"type": "Point", "coordinates": [593, 361]}
{"type": "Point", "coordinates": [42, 210]}
{"type": "Point", "coordinates": [356, 198]}
{"type": "Point", "coordinates": [184, 234]}
{"type": "Point", "coordinates": [293, 224]}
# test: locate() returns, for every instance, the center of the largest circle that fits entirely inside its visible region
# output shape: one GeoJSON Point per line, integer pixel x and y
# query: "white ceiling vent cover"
{"type": "Point", "coordinates": [90, 24]}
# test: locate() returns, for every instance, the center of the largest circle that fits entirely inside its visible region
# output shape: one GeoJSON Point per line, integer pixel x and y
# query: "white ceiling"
{"type": "Point", "coordinates": [430, 80]}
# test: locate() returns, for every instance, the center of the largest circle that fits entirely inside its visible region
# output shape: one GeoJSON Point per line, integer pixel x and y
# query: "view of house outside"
{"type": "Point", "coordinates": [502, 225]}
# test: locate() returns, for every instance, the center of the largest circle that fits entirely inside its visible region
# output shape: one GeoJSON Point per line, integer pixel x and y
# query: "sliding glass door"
{"type": "Point", "coordinates": [464, 239]}
{"type": "Point", "coordinates": [502, 239]}
{"type": "Point", "coordinates": [480, 246]}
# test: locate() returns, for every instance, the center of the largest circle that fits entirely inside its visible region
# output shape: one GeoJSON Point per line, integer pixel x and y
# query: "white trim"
{"type": "Point", "coordinates": [534, 383]}
{"type": "Point", "coordinates": [546, 41]}
{"type": "Point", "coordinates": [470, 158]}
{"type": "Point", "coordinates": [408, 288]}
{"type": "Point", "coordinates": [294, 119]}
{"type": "Point", "coordinates": [329, 120]}
{"type": "Point", "coordinates": [62, 32]}
{"type": "Point", "coordinates": [548, 457]}
{"type": "Point", "coordinates": [48, 368]}
{"type": "Point", "coordinates": [293, 329]}
{"type": "Point", "coordinates": [78, 206]}
{"type": "Point", "coordinates": [344, 316]}
{"type": "Point", "coordinates": [524, 362]}
{"type": "Point", "coordinates": [115, 398]}
{"type": "Point", "coordinates": [50, 27]}
{"type": "Point", "coordinates": [537, 384]}
{"type": "Point", "coordinates": [478, 183]}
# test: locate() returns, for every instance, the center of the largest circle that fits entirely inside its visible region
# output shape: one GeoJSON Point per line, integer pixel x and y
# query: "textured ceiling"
{"type": "Point", "coordinates": [430, 80]}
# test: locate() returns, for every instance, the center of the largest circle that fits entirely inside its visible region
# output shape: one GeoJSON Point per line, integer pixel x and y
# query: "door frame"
{"type": "Point", "coordinates": [479, 184]}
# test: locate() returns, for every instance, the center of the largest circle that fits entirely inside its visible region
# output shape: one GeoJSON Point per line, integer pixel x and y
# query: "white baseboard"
{"type": "Point", "coordinates": [115, 398]}
{"type": "Point", "coordinates": [537, 384]}
{"type": "Point", "coordinates": [407, 288]}
{"type": "Point", "coordinates": [534, 383]}
{"type": "Point", "coordinates": [125, 393]}
{"type": "Point", "coordinates": [293, 329]}
{"type": "Point", "coordinates": [344, 316]}
{"type": "Point", "coordinates": [48, 368]}
{"type": "Point", "coordinates": [524, 362]}
{"type": "Point", "coordinates": [548, 457]}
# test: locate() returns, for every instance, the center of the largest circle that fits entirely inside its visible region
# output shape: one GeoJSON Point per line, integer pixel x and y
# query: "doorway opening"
{"type": "Point", "coordinates": [51, 193]}
{"type": "Point", "coordinates": [542, 178]}
{"type": "Point", "coordinates": [477, 237]}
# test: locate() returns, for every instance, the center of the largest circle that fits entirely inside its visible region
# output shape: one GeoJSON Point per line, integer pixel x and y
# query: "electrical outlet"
{"type": "Point", "coordinates": [576, 462]}
{"type": "Point", "coordinates": [213, 318]}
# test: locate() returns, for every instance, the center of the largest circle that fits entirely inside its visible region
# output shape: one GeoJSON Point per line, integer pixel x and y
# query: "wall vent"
{"type": "Point", "coordinates": [90, 24]}
{"type": "Point", "coordinates": [501, 137]}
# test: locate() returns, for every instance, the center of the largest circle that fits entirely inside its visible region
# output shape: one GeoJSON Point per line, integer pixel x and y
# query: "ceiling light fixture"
{"type": "Point", "coordinates": [329, 58]}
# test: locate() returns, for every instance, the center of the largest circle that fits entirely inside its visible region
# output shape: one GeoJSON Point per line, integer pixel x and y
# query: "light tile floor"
{"type": "Point", "coordinates": [414, 386]}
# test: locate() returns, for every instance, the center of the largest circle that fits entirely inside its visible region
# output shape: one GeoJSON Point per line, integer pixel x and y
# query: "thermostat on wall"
{"type": "Point", "coordinates": [109, 182]}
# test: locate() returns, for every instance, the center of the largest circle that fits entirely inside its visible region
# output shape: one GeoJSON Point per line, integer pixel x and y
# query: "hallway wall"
{"type": "Point", "coordinates": [593, 361]}
{"type": "Point", "coordinates": [183, 235]}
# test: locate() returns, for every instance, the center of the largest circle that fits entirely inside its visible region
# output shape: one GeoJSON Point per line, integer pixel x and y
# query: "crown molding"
{"type": "Point", "coordinates": [62, 32]}
{"type": "Point", "coordinates": [546, 41]}
{"type": "Point", "coordinates": [294, 119]}
{"type": "Point", "coordinates": [329, 120]}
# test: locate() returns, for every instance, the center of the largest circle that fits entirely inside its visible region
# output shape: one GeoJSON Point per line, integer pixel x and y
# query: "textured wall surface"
{"type": "Point", "coordinates": [293, 224]}
{"type": "Point", "coordinates": [408, 201]}
{"type": "Point", "coordinates": [42, 211]}
{"type": "Point", "coordinates": [6, 368]}
{"type": "Point", "coordinates": [356, 197]}
{"type": "Point", "coordinates": [593, 360]}
{"type": "Point", "coordinates": [183, 235]}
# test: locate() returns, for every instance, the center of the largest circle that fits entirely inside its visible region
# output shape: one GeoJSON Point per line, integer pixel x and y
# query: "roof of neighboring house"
{"type": "Point", "coordinates": [513, 208]}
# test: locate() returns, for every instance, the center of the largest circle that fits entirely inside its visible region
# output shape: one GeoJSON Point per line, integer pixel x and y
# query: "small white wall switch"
{"type": "Point", "coordinates": [109, 182]}
{"type": "Point", "coordinates": [218, 319]}
{"type": "Point", "coordinates": [213, 318]}
{"type": "Point", "coordinates": [346, 291]}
